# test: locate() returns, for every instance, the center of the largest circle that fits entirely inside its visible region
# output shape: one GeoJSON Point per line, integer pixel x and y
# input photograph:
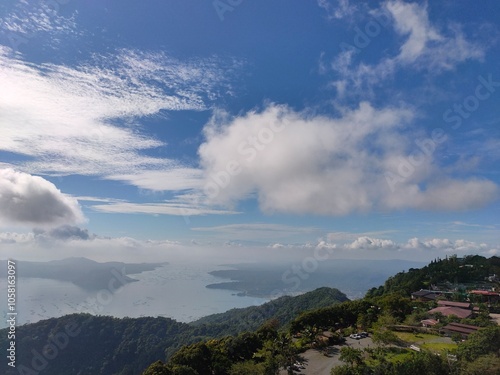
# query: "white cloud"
{"type": "Point", "coordinates": [38, 17]}
{"type": "Point", "coordinates": [32, 200]}
{"type": "Point", "coordinates": [447, 245]}
{"type": "Point", "coordinates": [350, 236]}
{"type": "Point", "coordinates": [84, 120]}
{"type": "Point", "coordinates": [98, 199]}
{"type": "Point", "coordinates": [67, 242]}
{"type": "Point", "coordinates": [302, 164]}
{"type": "Point", "coordinates": [325, 245]}
{"type": "Point", "coordinates": [65, 233]}
{"type": "Point", "coordinates": [16, 238]}
{"type": "Point", "coordinates": [444, 194]}
{"type": "Point", "coordinates": [341, 8]}
{"type": "Point", "coordinates": [411, 20]}
{"type": "Point", "coordinates": [277, 246]}
{"type": "Point", "coordinates": [176, 209]}
{"type": "Point", "coordinates": [437, 245]}
{"type": "Point", "coordinates": [425, 44]}
{"type": "Point", "coordinates": [178, 178]}
{"type": "Point", "coordinates": [366, 242]}
{"type": "Point", "coordinates": [44, 246]}
{"type": "Point", "coordinates": [255, 231]}
{"type": "Point", "coordinates": [425, 47]}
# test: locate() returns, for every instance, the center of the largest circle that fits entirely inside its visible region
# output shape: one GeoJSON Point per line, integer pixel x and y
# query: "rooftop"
{"type": "Point", "coordinates": [447, 311]}
{"type": "Point", "coordinates": [463, 305]}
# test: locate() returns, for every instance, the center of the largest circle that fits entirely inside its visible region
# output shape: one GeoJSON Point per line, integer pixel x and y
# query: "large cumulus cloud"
{"type": "Point", "coordinates": [302, 164]}
{"type": "Point", "coordinates": [34, 201]}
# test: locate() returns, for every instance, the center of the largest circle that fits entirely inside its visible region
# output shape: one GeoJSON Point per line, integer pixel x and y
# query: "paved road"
{"type": "Point", "coordinates": [317, 363]}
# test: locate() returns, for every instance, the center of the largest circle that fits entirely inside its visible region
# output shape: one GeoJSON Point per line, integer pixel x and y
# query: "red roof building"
{"type": "Point", "coordinates": [484, 293]}
{"type": "Point", "coordinates": [448, 311]}
{"type": "Point", "coordinates": [429, 322]}
{"type": "Point", "coordinates": [462, 329]}
{"type": "Point", "coordinates": [462, 305]}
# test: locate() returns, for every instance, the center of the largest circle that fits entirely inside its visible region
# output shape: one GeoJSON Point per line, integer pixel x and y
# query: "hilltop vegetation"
{"type": "Point", "coordinates": [452, 270]}
{"type": "Point", "coordinates": [283, 309]}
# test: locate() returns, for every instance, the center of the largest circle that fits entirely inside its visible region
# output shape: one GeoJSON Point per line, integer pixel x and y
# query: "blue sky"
{"type": "Point", "coordinates": [366, 128]}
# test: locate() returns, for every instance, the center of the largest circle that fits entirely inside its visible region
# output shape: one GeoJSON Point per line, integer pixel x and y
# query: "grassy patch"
{"type": "Point", "coordinates": [390, 355]}
{"type": "Point", "coordinates": [416, 337]}
{"type": "Point", "coordinates": [439, 346]}
{"type": "Point", "coordinates": [401, 357]}
{"type": "Point", "coordinates": [427, 341]}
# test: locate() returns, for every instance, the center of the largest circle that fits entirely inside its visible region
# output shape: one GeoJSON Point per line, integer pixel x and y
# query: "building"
{"type": "Point", "coordinates": [450, 310]}
{"type": "Point", "coordinates": [425, 295]}
{"type": "Point", "coordinates": [429, 323]}
{"type": "Point", "coordinates": [461, 305]}
{"type": "Point", "coordinates": [463, 330]}
{"type": "Point", "coordinates": [486, 295]}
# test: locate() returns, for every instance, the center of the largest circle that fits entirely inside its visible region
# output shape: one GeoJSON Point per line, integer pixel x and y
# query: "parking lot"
{"type": "Point", "coordinates": [320, 362]}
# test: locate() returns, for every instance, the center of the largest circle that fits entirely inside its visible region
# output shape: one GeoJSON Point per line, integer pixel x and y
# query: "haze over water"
{"type": "Point", "coordinates": [175, 291]}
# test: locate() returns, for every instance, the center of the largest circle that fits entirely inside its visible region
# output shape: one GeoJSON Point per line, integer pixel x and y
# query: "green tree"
{"type": "Point", "coordinates": [456, 337]}
{"type": "Point", "coordinates": [385, 337]}
{"type": "Point", "coordinates": [348, 370]}
{"type": "Point", "coordinates": [183, 370]}
{"type": "Point", "coordinates": [482, 342]}
{"type": "Point", "coordinates": [351, 356]}
{"type": "Point", "coordinates": [246, 368]}
{"type": "Point", "coordinates": [483, 365]}
{"type": "Point", "coordinates": [157, 368]}
{"type": "Point", "coordinates": [269, 330]}
{"type": "Point", "coordinates": [267, 355]}
{"type": "Point", "coordinates": [197, 356]}
{"type": "Point", "coordinates": [386, 320]}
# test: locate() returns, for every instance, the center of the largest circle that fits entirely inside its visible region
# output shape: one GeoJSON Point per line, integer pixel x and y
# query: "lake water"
{"type": "Point", "coordinates": [174, 291]}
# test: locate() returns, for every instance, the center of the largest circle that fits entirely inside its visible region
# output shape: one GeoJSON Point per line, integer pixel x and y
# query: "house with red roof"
{"type": "Point", "coordinates": [450, 310]}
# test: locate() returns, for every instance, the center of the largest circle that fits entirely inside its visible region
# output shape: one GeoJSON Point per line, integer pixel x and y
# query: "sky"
{"type": "Point", "coordinates": [246, 129]}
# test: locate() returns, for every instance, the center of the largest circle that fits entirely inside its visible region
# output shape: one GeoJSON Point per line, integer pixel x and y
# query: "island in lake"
{"type": "Point", "coordinates": [85, 273]}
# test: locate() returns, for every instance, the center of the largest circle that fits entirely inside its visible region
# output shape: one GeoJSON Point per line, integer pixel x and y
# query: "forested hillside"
{"type": "Point", "coordinates": [452, 270]}
{"type": "Point", "coordinates": [283, 309]}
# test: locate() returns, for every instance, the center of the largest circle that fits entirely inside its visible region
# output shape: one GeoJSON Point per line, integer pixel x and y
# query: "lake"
{"type": "Point", "coordinates": [175, 291]}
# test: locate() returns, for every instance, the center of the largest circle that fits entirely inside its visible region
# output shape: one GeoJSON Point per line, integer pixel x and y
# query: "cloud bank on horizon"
{"type": "Point", "coordinates": [382, 119]}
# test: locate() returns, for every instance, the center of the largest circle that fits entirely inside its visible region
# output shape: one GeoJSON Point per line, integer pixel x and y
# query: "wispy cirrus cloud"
{"type": "Point", "coordinates": [168, 208]}
{"type": "Point", "coordinates": [175, 179]}
{"type": "Point", "coordinates": [338, 9]}
{"type": "Point", "coordinates": [85, 120]}
{"type": "Point", "coordinates": [255, 231]}
{"type": "Point", "coordinates": [39, 16]}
